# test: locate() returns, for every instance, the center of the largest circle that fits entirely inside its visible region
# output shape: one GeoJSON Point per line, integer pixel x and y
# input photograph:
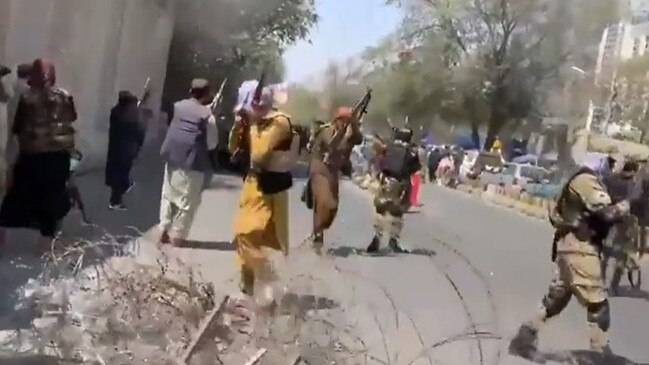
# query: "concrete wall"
{"type": "Point", "coordinates": [99, 47]}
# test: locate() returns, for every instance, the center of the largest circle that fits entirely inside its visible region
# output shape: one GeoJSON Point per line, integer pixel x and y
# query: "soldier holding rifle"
{"type": "Point", "coordinates": [329, 150]}
{"type": "Point", "coordinates": [261, 221]}
{"type": "Point", "coordinates": [185, 150]}
{"type": "Point", "coordinates": [582, 218]}
{"type": "Point", "coordinates": [398, 160]}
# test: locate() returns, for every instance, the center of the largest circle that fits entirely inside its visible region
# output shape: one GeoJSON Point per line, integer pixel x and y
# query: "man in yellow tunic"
{"type": "Point", "coordinates": [262, 219]}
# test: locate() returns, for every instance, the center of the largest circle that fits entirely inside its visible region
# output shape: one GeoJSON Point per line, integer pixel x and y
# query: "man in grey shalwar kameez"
{"type": "Point", "coordinates": [192, 133]}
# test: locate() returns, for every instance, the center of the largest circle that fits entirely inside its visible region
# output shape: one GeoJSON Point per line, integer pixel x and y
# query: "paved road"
{"type": "Point", "coordinates": [489, 269]}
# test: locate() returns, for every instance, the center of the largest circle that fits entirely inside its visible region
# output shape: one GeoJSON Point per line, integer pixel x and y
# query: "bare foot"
{"type": "Point", "coordinates": [243, 315]}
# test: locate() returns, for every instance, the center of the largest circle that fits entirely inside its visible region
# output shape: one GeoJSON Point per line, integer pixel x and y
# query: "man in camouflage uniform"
{"type": "Point", "coordinates": [328, 154]}
{"type": "Point", "coordinates": [640, 207]}
{"type": "Point", "coordinates": [388, 201]}
{"type": "Point", "coordinates": [624, 235]}
{"type": "Point", "coordinates": [582, 217]}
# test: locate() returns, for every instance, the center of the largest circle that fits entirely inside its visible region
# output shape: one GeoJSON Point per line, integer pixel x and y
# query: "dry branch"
{"type": "Point", "coordinates": [200, 335]}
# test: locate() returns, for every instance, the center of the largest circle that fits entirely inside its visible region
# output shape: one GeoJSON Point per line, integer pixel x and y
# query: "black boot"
{"type": "Point", "coordinates": [635, 277]}
{"type": "Point", "coordinates": [525, 343]}
{"type": "Point", "coordinates": [394, 246]}
{"type": "Point", "coordinates": [374, 245]}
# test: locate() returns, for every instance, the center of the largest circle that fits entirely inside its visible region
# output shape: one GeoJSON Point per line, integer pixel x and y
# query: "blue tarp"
{"type": "Point", "coordinates": [427, 139]}
{"type": "Point", "coordinates": [465, 141]}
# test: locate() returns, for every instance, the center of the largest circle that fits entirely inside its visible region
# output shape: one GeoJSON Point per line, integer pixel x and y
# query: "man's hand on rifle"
{"type": "Point", "coordinates": [326, 158]}
{"type": "Point", "coordinates": [349, 132]}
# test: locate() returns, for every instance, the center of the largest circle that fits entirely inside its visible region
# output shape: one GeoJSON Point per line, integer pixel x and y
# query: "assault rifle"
{"type": "Point", "coordinates": [73, 189]}
{"type": "Point", "coordinates": [145, 93]}
{"type": "Point", "coordinates": [359, 110]}
{"type": "Point", "coordinates": [216, 102]}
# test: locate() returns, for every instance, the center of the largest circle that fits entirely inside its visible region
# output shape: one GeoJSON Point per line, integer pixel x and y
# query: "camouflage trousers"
{"type": "Point", "coordinates": [622, 245]}
{"type": "Point", "coordinates": [388, 210]}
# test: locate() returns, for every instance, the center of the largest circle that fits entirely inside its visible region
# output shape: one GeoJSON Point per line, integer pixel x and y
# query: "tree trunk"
{"type": "Point", "coordinates": [489, 141]}
{"type": "Point", "coordinates": [475, 135]}
{"type": "Point", "coordinates": [494, 127]}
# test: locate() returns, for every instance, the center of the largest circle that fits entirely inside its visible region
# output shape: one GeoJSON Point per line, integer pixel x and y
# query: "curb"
{"type": "Point", "coordinates": [512, 198]}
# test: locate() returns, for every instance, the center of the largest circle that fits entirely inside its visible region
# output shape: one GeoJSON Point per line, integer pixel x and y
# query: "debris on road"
{"type": "Point", "coordinates": [116, 310]}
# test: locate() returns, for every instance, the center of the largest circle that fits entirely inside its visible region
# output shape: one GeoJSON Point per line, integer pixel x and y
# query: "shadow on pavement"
{"type": "Point", "coordinates": [526, 350]}
{"type": "Point", "coordinates": [292, 303]}
{"type": "Point", "coordinates": [628, 292]}
{"type": "Point", "coordinates": [346, 251]}
{"type": "Point", "coordinates": [20, 261]}
{"type": "Point", "coordinates": [207, 245]}
{"type": "Point", "coordinates": [581, 357]}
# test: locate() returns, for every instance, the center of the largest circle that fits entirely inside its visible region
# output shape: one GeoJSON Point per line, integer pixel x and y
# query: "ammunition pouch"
{"type": "Point", "coordinates": [581, 229]}
{"type": "Point", "coordinates": [271, 182]}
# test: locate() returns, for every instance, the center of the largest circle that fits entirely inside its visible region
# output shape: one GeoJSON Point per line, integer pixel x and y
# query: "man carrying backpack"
{"type": "Point", "coordinates": [399, 160]}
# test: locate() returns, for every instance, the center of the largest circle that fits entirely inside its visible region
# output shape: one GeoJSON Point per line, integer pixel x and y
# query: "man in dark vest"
{"type": "Point", "coordinates": [185, 150]}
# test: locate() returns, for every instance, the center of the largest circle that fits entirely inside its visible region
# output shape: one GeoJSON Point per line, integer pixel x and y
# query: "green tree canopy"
{"type": "Point", "coordinates": [215, 39]}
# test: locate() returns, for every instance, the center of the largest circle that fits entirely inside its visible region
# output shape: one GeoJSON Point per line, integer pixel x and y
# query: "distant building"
{"type": "Point", "coordinates": [635, 41]}
{"type": "Point", "coordinates": [609, 53]}
{"type": "Point", "coordinates": [623, 41]}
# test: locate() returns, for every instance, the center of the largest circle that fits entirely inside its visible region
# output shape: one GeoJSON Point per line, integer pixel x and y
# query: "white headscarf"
{"type": "Point", "coordinates": [246, 94]}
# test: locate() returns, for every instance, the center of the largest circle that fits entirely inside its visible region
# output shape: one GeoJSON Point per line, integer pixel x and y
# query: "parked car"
{"type": "Point", "coordinates": [503, 176]}
{"type": "Point", "coordinates": [527, 174]}
{"type": "Point", "coordinates": [548, 189]}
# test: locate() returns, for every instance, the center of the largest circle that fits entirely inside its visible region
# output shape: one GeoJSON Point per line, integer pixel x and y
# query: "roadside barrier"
{"type": "Point", "coordinates": [512, 197]}
{"type": "Point", "coordinates": [515, 198]}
